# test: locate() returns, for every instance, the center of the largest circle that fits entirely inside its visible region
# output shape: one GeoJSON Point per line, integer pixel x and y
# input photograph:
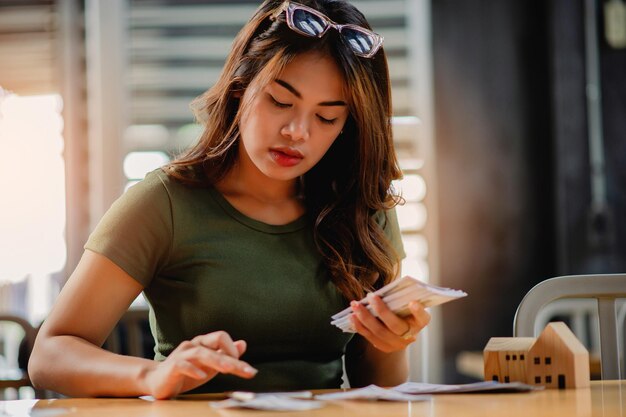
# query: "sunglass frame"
{"type": "Point", "coordinates": [290, 7]}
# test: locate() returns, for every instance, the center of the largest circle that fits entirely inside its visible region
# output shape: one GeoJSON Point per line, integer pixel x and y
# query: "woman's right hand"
{"type": "Point", "coordinates": [196, 361]}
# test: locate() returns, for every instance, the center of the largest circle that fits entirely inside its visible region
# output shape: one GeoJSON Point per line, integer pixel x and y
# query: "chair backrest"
{"type": "Point", "coordinates": [605, 288]}
{"type": "Point", "coordinates": [131, 336]}
{"type": "Point", "coordinates": [17, 338]}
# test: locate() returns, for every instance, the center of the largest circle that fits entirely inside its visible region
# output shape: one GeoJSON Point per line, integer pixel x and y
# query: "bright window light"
{"type": "Point", "coordinates": [138, 164]}
{"type": "Point", "coordinates": [146, 136]}
{"type": "Point", "coordinates": [32, 179]}
{"type": "Point", "coordinates": [411, 217]}
{"type": "Point", "coordinates": [417, 268]}
{"type": "Point", "coordinates": [415, 246]}
{"type": "Point", "coordinates": [412, 187]}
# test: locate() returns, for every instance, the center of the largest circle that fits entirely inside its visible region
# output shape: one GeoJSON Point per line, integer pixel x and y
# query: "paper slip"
{"type": "Point", "coordinates": [279, 401]}
{"type": "Point", "coordinates": [397, 295]}
{"type": "Point", "coordinates": [483, 386]}
{"type": "Point", "coordinates": [371, 392]}
{"type": "Point", "coordinates": [247, 395]}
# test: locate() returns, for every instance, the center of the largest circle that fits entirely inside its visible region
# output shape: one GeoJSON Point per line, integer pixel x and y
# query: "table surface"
{"type": "Point", "coordinates": [603, 398]}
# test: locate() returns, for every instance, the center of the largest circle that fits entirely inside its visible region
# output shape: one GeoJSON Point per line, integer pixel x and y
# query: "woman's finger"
{"type": "Point", "coordinates": [186, 368]}
{"type": "Point", "coordinates": [378, 342]}
{"type": "Point", "coordinates": [396, 324]}
{"type": "Point", "coordinates": [373, 329]}
{"type": "Point", "coordinates": [208, 360]}
{"type": "Point", "coordinates": [241, 346]}
{"type": "Point", "coordinates": [372, 323]}
{"type": "Point", "coordinates": [219, 340]}
{"type": "Point", "coordinates": [421, 317]}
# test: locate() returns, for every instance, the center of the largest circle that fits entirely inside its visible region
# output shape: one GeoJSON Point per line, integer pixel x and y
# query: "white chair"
{"type": "Point", "coordinates": [605, 288]}
{"type": "Point", "coordinates": [581, 314]}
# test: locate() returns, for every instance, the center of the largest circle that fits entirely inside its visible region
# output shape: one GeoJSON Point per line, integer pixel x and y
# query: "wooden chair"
{"type": "Point", "coordinates": [131, 335]}
{"type": "Point", "coordinates": [605, 288]}
{"type": "Point", "coordinates": [17, 338]}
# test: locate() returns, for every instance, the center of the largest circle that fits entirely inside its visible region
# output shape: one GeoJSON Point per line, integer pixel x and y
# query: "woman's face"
{"type": "Point", "coordinates": [293, 121]}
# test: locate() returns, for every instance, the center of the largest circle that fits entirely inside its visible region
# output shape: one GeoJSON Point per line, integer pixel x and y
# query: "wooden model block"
{"type": "Point", "coordinates": [559, 359]}
{"type": "Point", "coordinates": [505, 358]}
{"type": "Point", "coordinates": [556, 359]}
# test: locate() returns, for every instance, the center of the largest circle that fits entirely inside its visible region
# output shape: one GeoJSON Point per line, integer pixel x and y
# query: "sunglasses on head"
{"type": "Point", "coordinates": [309, 22]}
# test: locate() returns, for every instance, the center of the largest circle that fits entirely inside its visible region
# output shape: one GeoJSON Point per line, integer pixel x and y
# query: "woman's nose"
{"type": "Point", "coordinates": [296, 129]}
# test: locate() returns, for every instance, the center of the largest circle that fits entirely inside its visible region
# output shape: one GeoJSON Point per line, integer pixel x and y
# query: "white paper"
{"type": "Point", "coordinates": [247, 395]}
{"type": "Point", "coordinates": [278, 401]}
{"type": "Point", "coordinates": [371, 392]}
{"type": "Point", "coordinates": [397, 295]}
{"type": "Point", "coordinates": [483, 386]}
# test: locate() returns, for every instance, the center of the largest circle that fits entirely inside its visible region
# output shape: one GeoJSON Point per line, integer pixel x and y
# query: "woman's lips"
{"type": "Point", "coordinates": [286, 157]}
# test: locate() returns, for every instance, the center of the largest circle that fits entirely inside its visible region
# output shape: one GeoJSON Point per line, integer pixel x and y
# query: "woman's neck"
{"type": "Point", "coordinates": [245, 179]}
{"type": "Point", "coordinates": [259, 197]}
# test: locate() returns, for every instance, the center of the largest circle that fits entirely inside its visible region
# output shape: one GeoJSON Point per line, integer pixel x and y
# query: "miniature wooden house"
{"type": "Point", "coordinates": [556, 359]}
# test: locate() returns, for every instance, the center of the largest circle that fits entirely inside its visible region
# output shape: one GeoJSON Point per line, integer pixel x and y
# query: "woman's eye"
{"type": "Point", "coordinates": [327, 121]}
{"type": "Point", "coordinates": [279, 104]}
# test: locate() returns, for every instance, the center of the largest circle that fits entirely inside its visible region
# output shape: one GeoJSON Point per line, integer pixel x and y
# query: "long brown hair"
{"type": "Point", "coordinates": [352, 182]}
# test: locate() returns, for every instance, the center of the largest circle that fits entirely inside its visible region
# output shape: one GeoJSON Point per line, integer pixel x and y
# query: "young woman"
{"type": "Point", "coordinates": [244, 246]}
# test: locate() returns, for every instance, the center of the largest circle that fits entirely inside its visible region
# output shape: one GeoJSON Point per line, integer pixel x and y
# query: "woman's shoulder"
{"type": "Point", "coordinates": [159, 180]}
{"type": "Point", "coordinates": [382, 217]}
{"type": "Point", "coordinates": [160, 186]}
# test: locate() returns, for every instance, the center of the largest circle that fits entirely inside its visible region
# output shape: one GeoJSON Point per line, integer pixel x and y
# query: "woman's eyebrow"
{"type": "Point", "coordinates": [296, 93]}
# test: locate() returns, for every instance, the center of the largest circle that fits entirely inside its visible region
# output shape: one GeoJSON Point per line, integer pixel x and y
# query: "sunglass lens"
{"type": "Point", "coordinates": [308, 23]}
{"type": "Point", "coordinates": [360, 42]}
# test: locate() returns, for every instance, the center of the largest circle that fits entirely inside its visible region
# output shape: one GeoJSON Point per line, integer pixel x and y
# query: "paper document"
{"type": "Point", "coordinates": [397, 295]}
{"type": "Point", "coordinates": [419, 391]}
{"type": "Point", "coordinates": [371, 392]}
{"type": "Point", "coordinates": [483, 386]}
{"type": "Point", "coordinates": [277, 401]}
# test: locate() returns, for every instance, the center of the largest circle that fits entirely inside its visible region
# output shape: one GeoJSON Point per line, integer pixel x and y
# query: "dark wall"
{"type": "Point", "coordinates": [513, 170]}
{"type": "Point", "coordinates": [590, 239]}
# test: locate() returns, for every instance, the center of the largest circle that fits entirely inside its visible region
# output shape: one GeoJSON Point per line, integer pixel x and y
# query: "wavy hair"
{"type": "Point", "coordinates": [352, 182]}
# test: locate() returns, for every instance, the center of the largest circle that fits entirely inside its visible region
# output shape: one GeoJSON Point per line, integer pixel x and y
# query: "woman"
{"type": "Point", "coordinates": [246, 245]}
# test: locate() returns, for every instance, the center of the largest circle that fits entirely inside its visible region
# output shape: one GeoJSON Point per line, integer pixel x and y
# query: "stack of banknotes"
{"type": "Point", "coordinates": [397, 295]}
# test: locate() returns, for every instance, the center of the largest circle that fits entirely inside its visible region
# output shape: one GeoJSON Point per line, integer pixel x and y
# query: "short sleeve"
{"type": "Point", "coordinates": [136, 233]}
{"type": "Point", "coordinates": [388, 220]}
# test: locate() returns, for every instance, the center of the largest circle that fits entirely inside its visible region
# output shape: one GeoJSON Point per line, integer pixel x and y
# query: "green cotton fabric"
{"type": "Point", "coordinates": [206, 267]}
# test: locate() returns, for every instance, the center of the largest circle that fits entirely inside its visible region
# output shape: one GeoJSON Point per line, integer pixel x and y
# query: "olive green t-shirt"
{"type": "Point", "coordinates": [206, 267]}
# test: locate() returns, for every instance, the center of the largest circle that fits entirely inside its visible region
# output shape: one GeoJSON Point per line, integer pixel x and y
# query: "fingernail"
{"type": "Point", "coordinates": [354, 305]}
{"type": "Point", "coordinates": [250, 370]}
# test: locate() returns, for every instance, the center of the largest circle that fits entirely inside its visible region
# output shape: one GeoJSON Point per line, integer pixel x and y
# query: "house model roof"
{"type": "Point", "coordinates": [566, 336]}
{"type": "Point", "coordinates": [510, 343]}
{"type": "Point", "coordinates": [553, 329]}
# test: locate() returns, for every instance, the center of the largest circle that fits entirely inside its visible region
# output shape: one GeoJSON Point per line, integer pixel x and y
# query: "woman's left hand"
{"type": "Point", "coordinates": [388, 332]}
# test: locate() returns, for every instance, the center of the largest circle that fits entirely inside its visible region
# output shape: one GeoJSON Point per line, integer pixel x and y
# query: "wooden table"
{"type": "Point", "coordinates": [604, 398]}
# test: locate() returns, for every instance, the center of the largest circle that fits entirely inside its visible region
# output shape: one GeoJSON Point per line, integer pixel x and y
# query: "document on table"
{"type": "Point", "coordinates": [397, 295]}
{"type": "Point", "coordinates": [483, 386]}
{"type": "Point", "coordinates": [372, 392]}
{"type": "Point", "coordinates": [419, 391]}
{"type": "Point", "coordinates": [276, 401]}
{"type": "Point", "coordinates": [409, 391]}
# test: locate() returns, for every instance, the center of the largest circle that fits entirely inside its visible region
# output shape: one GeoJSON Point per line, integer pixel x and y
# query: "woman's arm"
{"type": "Point", "coordinates": [367, 365]}
{"type": "Point", "coordinates": [67, 356]}
{"type": "Point", "coordinates": [377, 353]}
